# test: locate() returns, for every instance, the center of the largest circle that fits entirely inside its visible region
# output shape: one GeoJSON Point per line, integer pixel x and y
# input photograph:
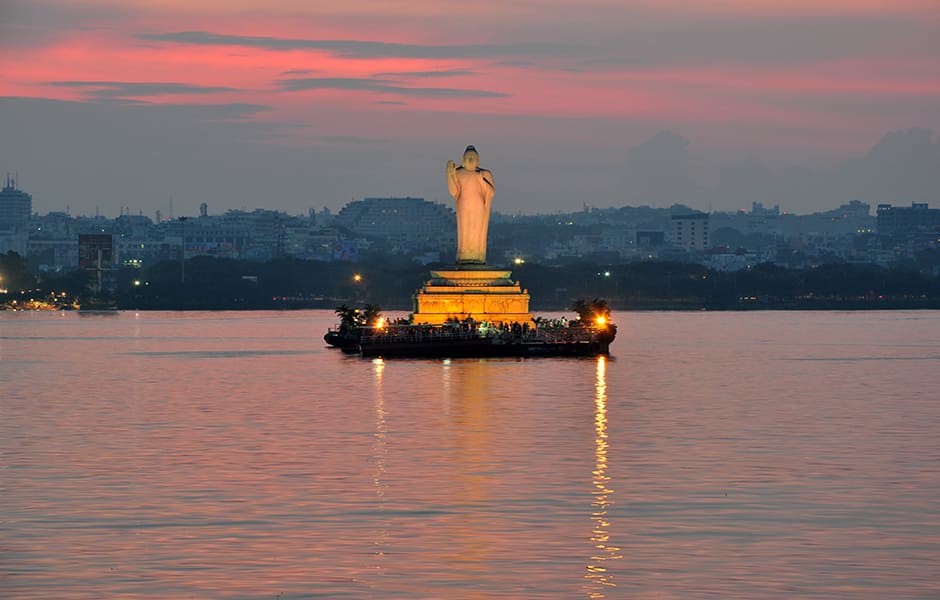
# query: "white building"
{"type": "Point", "coordinates": [690, 231]}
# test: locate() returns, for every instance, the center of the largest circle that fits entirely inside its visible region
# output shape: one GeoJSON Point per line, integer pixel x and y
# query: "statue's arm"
{"type": "Point", "coordinates": [453, 186]}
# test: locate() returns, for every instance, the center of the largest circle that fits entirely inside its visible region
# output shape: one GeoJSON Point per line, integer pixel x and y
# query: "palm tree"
{"type": "Point", "coordinates": [589, 312]}
{"type": "Point", "coordinates": [348, 317]}
{"type": "Point", "coordinates": [600, 308]}
{"type": "Point", "coordinates": [582, 308]}
{"type": "Point", "coordinates": [370, 314]}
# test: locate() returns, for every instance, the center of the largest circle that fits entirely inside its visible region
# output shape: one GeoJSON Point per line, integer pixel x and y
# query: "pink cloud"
{"type": "Point", "coordinates": [798, 94]}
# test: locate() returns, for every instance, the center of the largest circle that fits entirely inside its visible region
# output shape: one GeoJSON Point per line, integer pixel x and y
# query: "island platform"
{"type": "Point", "coordinates": [469, 339]}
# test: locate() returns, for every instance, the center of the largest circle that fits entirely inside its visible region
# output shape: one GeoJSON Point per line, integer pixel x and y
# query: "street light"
{"type": "Point", "coordinates": [358, 286]}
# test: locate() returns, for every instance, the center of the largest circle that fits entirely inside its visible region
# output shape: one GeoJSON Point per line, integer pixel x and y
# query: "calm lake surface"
{"type": "Point", "coordinates": [233, 455]}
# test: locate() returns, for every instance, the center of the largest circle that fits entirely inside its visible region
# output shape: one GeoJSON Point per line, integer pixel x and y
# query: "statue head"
{"type": "Point", "coordinates": [471, 160]}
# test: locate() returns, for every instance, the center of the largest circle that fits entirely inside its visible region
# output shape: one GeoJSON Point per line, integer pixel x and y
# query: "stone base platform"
{"type": "Point", "coordinates": [471, 291]}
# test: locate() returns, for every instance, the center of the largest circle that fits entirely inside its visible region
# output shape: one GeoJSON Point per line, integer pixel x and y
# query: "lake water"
{"type": "Point", "coordinates": [233, 455]}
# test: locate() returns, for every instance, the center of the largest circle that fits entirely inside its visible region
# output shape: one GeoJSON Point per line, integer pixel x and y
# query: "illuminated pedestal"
{"type": "Point", "coordinates": [480, 292]}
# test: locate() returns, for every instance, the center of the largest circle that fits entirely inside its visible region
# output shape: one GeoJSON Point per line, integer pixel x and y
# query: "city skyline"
{"type": "Point", "coordinates": [298, 106]}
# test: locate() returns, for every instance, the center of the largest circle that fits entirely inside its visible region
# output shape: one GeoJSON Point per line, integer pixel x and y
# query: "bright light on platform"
{"type": "Point", "coordinates": [601, 321]}
{"type": "Point", "coordinates": [357, 277]}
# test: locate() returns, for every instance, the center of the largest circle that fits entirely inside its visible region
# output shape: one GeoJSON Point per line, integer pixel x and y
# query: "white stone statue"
{"type": "Point", "coordinates": [472, 189]}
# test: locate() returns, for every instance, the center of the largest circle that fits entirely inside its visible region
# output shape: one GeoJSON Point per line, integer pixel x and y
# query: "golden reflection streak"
{"type": "Point", "coordinates": [603, 551]}
{"type": "Point", "coordinates": [379, 454]}
{"type": "Point", "coordinates": [472, 541]}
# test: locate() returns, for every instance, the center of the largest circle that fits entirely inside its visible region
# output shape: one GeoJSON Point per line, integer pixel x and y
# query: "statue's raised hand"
{"type": "Point", "coordinates": [451, 167]}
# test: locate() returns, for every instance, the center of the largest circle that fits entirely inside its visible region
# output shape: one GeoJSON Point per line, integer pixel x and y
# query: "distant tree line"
{"type": "Point", "coordinates": [206, 283]}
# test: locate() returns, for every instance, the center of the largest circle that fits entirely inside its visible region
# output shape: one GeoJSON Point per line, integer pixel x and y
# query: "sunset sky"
{"type": "Point", "coordinates": [302, 104]}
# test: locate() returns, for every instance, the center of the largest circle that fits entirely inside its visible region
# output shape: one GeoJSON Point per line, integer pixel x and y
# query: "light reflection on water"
{"type": "Point", "coordinates": [232, 455]}
{"type": "Point", "coordinates": [379, 453]}
{"type": "Point", "coordinates": [599, 570]}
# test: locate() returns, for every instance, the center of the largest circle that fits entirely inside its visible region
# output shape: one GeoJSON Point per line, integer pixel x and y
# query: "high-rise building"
{"type": "Point", "coordinates": [15, 206]}
{"type": "Point", "coordinates": [917, 223]}
{"type": "Point", "coordinates": [690, 231]}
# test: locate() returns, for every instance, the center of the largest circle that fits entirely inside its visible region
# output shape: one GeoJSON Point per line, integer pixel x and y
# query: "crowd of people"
{"type": "Point", "coordinates": [541, 329]}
